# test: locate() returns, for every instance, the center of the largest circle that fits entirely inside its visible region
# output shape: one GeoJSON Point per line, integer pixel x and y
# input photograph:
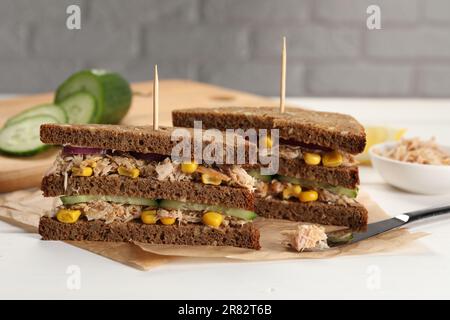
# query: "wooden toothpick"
{"type": "Point", "coordinates": [283, 76]}
{"type": "Point", "coordinates": [155, 99]}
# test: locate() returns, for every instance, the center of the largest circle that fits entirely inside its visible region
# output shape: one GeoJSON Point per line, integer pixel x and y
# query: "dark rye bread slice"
{"type": "Point", "coordinates": [232, 197]}
{"type": "Point", "coordinates": [132, 138]}
{"type": "Point", "coordinates": [325, 129]}
{"type": "Point", "coordinates": [344, 176]}
{"type": "Point", "coordinates": [353, 216]}
{"type": "Point", "coordinates": [246, 236]}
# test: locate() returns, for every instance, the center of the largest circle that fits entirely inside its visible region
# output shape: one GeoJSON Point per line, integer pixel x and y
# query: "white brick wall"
{"type": "Point", "coordinates": [93, 40]}
{"type": "Point", "coordinates": [309, 42]}
{"type": "Point", "coordinates": [235, 43]}
{"type": "Point", "coordinates": [406, 43]}
{"type": "Point", "coordinates": [360, 79]}
{"type": "Point", "coordinates": [434, 81]}
{"type": "Point", "coordinates": [354, 11]}
{"type": "Point", "coordinates": [437, 10]}
{"type": "Point", "coordinates": [257, 12]}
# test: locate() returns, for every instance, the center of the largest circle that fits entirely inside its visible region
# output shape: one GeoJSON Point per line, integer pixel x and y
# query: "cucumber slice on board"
{"type": "Point", "coordinates": [111, 91]}
{"type": "Point", "coordinates": [22, 138]}
{"type": "Point", "coordinates": [117, 199]}
{"type": "Point", "coordinates": [179, 205]}
{"type": "Point", "coordinates": [44, 109]}
{"type": "Point", "coordinates": [80, 107]}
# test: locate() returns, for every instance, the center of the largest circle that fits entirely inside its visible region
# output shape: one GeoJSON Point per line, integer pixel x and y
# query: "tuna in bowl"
{"type": "Point", "coordinates": [413, 165]}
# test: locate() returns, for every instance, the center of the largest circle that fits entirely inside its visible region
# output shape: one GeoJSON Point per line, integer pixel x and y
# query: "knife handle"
{"type": "Point", "coordinates": [424, 213]}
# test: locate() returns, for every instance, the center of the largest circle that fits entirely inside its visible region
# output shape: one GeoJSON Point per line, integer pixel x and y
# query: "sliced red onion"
{"type": "Point", "coordinates": [82, 150]}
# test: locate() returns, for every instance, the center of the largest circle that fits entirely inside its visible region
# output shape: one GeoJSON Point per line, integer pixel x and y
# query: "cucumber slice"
{"type": "Point", "coordinates": [44, 109]}
{"type": "Point", "coordinates": [257, 175]}
{"type": "Point", "coordinates": [293, 180]}
{"type": "Point", "coordinates": [110, 90]}
{"type": "Point", "coordinates": [339, 237]}
{"type": "Point", "coordinates": [77, 199]}
{"type": "Point", "coordinates": [116, 199]}
{"type": "Point", "coordinates": [351, 193]}
{"type": "Point", "coordinates": [80, 107]}
{"type": "Point", "coordinates": [179, 205]}
{"type": "Point", "coordinates": [22, 138]}
{"type": "Point", "coordinates": [240, 213]}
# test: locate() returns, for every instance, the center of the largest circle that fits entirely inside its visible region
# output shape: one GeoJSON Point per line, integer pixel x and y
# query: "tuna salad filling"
{"type": "Point", "coordinates": [313, 156]}
{"type": "Point", "coordinates": [294, 189]}
{"type": "Point", "coordinates": [105, 163]}
{"type": "Point", "coordinates": [166, 212]}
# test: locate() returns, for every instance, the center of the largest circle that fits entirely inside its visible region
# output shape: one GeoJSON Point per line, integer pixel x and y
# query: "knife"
{"type": "Point", "coordinates": [345, 237]}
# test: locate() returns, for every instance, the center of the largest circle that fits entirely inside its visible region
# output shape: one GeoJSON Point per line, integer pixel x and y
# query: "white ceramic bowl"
{"type": "Point", "coordinates": [412, 177]}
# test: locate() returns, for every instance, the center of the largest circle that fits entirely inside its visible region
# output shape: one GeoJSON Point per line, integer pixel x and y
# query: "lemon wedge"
{"type": "Point", "coordinates": [379, 134]}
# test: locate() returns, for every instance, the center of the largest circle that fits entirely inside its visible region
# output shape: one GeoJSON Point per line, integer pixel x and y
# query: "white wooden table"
{"type": "Point", "coordinates": [30, 268]}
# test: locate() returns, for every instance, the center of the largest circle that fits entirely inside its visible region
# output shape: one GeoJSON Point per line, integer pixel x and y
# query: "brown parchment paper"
{"type": "Point", "coordinates": [24, 208]}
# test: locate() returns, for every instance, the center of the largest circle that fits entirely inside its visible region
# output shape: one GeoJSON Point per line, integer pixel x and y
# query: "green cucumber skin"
{"type": "Point", "coordinates": [43, 109]}
{"type": "Point", "coordinates": [241, 213]}
{"type": "Point", "coordinates": [117, 105]}
{"type": "Point", "coordinates": [255, 174]}
{"type": "Point", "coordinates": [338, 237]}
{"type": "Point", "coordinates": [68, 200]}
{"type": "Point", "coordinates": [25, 153]}
{"type": "Point", "coordinates": [179, 205]}
{"type": "Point", "coordinates": [111, 107]}
{"type": "Point", "coordinates": [40, 147]}
{"type": "Point", "coordinates": [166, 204]}
{"type": "Point", "coordinates": [66, 105]}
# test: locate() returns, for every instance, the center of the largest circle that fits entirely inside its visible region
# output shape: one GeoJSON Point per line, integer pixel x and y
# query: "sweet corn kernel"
{"type": "Point", "coordinates": [296, 189]}
{"type": "Point", "coordinates": [82, 172]}
{"type": "Point", "coordinates": [91, 163]}
{"type": "Point", "coordinates": [167, 221]}
{"type": "Point", "coordinates": [149, 216]}
{"type": "Point", "coordinates": [212, 219]}
{"type": "Point", "coordinates": [292, 191]}
{"type": "Point", "coordinates": [308, 196]}
{"type": "Point", "coordinates": [189, 167]}
{"type": "Point", "coordinates": [207, 179]}
{"type": "Point", "coordinates": [312, 159]}
{"type": "Point", "coordinates": [267, 142]}
{"type": "Point", "coordinates": [132, 173]}
{"type": "Point", "coordinates": [68, 216]}
{"type": "Point", "coordinates": [332, 159]}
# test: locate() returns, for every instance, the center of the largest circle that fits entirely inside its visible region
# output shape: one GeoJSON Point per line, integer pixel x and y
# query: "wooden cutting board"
{"type": "Point", "coordinates": [25, 172]}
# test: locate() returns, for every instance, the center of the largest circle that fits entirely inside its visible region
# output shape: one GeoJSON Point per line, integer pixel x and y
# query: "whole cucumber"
{"type": "Point", "coordinates": [111, 91]}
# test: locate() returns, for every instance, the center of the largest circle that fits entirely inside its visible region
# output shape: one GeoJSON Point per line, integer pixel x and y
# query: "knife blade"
{"type": "Point", "coordinates": [346, 237]}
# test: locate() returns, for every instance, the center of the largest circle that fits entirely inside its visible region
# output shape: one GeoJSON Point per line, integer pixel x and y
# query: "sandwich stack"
{"type": "Point", "coordinates": [318, 178]}
{"type": "Point", "coordinates": [119, 183]}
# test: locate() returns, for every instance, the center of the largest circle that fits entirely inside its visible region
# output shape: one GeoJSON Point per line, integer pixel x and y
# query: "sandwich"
{"type": "Point", "coordinates": [317, 178]}
{"type": "Point", "coordinates": [121, 183]}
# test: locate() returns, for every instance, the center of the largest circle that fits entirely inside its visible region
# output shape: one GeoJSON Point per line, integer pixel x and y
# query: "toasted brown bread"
{"type": "Point", "coordinates": [353, 216]}
{"type": "Point", "coordinates": [325, 129]}
{"type": "Point", "coordinates": [232, 197]}
{"type": "Point", "coordinates": [246, 236]}
{"type": "Point", "coordinates": [127, 138]}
